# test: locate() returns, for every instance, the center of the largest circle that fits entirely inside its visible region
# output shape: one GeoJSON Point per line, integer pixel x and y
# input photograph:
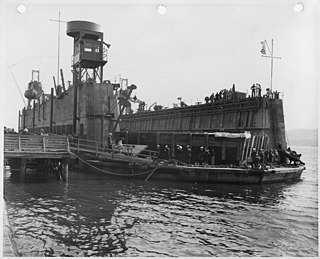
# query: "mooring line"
{"type": "Point", "coordinates": [153, 171]}
{"type": "Point", "coordinates": [107, 172]}
{"type": "Point", "coordinates": [17, 189]}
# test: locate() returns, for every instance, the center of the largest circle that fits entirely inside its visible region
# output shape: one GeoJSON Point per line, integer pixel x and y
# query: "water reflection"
{"type": "Point", "coordinates": [93, 215]}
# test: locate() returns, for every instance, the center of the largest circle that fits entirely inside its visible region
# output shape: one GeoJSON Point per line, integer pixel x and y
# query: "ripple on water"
{"type": "Point", "coordinates": [113, 218]}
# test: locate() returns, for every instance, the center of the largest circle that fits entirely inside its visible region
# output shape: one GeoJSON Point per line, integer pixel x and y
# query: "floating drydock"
{"type": "Point", "coordinates": [221, 125]}
{"type": "Point", "coordinates": [228, 130]}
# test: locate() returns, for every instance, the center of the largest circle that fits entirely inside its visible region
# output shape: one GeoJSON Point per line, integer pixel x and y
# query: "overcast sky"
{"type": "Point", "coordinates": [196, 48]}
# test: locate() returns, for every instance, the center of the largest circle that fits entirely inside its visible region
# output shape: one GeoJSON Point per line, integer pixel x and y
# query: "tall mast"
{"type": "Point", "coordinates": [271, 57]}
{"type": "Point", "coordinates": [59, 21]}
{"type": "Point", "coordinates": [58, 48]}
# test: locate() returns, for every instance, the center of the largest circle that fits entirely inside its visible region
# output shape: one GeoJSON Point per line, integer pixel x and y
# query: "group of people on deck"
{"type": "Point", "coordinates": [256, 92]}
{"type": "Point", "coordinates": [221, 95]}
{"type": "Point", "coordinates": [262, 157]}
{"type": "Point", "coordinates": [205, 155]}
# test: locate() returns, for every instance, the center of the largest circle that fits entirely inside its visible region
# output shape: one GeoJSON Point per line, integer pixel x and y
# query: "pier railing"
{"type": "Point", "coordinates": [97, 148]}
{"type": "Point", "coordinates": [35, 143]}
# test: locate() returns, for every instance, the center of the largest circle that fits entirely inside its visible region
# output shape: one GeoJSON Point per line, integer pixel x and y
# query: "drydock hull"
{"type": "Point", "coordinates": [198, 174]}
{"type": "Point", "coordinates": [227, 175]}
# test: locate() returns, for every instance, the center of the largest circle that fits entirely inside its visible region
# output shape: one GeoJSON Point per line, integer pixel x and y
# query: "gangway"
{"type": "Point", "coordinates": [125, 152]}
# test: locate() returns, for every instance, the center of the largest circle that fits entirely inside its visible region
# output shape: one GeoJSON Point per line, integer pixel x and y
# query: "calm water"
{"type": "Point", "coordinates": [94, 215]}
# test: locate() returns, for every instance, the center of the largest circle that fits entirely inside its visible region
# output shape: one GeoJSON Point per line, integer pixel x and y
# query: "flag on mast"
{"type": "Point", "coordinates": [263, 49]}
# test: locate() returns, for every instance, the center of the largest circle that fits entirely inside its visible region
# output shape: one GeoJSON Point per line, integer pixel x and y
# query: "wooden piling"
{"type": "Point", "coordinates": [23, 167]}
{"type": "Point", "coordinates": [64, 170]}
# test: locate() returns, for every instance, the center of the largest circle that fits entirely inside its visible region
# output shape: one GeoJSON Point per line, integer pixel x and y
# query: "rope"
{"type": "Point", "coordinates": [18, 189]}
{"type": "Point", "coordinates": [151, 174]}
{"type": "Point", "coordinates": [107, 172]}
{"type": "Point", "coordinates": [17, 86]}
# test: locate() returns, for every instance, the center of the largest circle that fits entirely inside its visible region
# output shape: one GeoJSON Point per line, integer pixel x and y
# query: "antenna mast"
{"type": "Point", "coordinates": [263, 51]}
{"type": "Point", "coordinates": [59, 21]}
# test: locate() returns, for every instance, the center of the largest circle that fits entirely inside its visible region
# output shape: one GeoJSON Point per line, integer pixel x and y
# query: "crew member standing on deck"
{"type": "Point", "coordinates": [189, 154]}
{"type": "Point", "coordinates": [207, 156]}
{"type": "Point", "coordinates": [179, 153]}
{"type": "Point", "coordinates": [201, 155]}
{"type": "Point", "coordinates": [120, 144]}
{"type": "Point", "coordinates": [258, 90]}
{"type": "Point", "coordinates": [167, 152]}
{"type": "Point", "coordinates": [261, 156]}
{"type": "Point", "coordinates": [110, 142]}
{"type": "Point", "coordinates": [253, 90]}
{"type": "Point", "coordinates": [254, 158]}
{"type": "Point", "coordinates": [158, 152]}
{"type": "Point", "coordinates": [212, 156]}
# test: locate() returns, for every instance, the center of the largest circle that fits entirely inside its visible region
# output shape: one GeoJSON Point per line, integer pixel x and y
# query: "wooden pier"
{"type": "Point", "coordinates": [43, 153]}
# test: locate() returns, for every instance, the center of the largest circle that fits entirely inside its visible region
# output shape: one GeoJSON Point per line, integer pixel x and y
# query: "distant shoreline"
{"type": "Point", "coordinates": [303, 137]}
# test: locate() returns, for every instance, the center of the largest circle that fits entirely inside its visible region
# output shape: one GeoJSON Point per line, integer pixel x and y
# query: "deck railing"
{"type": "Point", "coordinates": [97, 148]}
{"type": "Point", "coordinates": [35, 143]}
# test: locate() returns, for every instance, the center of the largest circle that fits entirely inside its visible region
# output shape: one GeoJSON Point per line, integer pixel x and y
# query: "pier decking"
{"type": "Point", "coordinates": [35, 146]}
{"type": "Point", "coordinates": [43, 154]}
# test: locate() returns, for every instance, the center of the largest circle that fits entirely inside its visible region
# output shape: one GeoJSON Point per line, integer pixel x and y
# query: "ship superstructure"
{"type": "Point", "coordinates": [88, 108]}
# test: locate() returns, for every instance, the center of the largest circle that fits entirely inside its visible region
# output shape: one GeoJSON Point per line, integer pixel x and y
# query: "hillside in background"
{"type": "Point", "coordinates": [303, 137]}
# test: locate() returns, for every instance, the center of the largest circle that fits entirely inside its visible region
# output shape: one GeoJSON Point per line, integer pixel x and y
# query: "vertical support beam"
{"type": "Point", "coordinates": [64, 170]}
{"type": "Point", "coordinates": [239, 151]}
{"type": "Point", "coordinates": [67, 144]}
{"type": "Point", "coordinates": [34, 116]}
{"type": "Point", "coordinates": [19, 122]}
{"type": "Point", "coordinates": [24, 117]}
{"type": "Point", "coordinates": [75, 98]}
{"type": "Point", "coordinates": [173, 150]}
{"type": "Point", "coordinates": [62, 80]}
{"type": "Point", "coordinates": [251, 146]}
{"type": "Point", "coordinates": [101, 73]}
{"type": "Point", "coordinates": [244, 147]}
{"type": "Point", "coordinates": [44, 143]}
{"type": "Point", "coordinates": [223, 150]}
{"type": "Point", "coordinates": [262, 143]}
{"type": "Point", "coordinates": [246, 155]}
{"type": "Point", "coordinates": [23, 166]}
{"type": "Point", "coordinates": [206, 140]}
{"type": "Point", "coordinates": [43, 107]}
{"type": "Point", "coordinates": [55, 85]}
{"type": "Point", "coordinates": [19, 142]}
{"type": "Point", "coordinates": [102, 129]}
{"type": "Point", "coordinates": [51, 110]}
{"type": "Point", "coordinates": [39, 111]}
{"type": "Point", "coordinates": [78, 145]}
{"type": "Point", "coordinates": [222, 119]}
{"type": "Point", "coordinates": [157, 138]}
{"type": "Point", "coordinates": [138, 140]}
